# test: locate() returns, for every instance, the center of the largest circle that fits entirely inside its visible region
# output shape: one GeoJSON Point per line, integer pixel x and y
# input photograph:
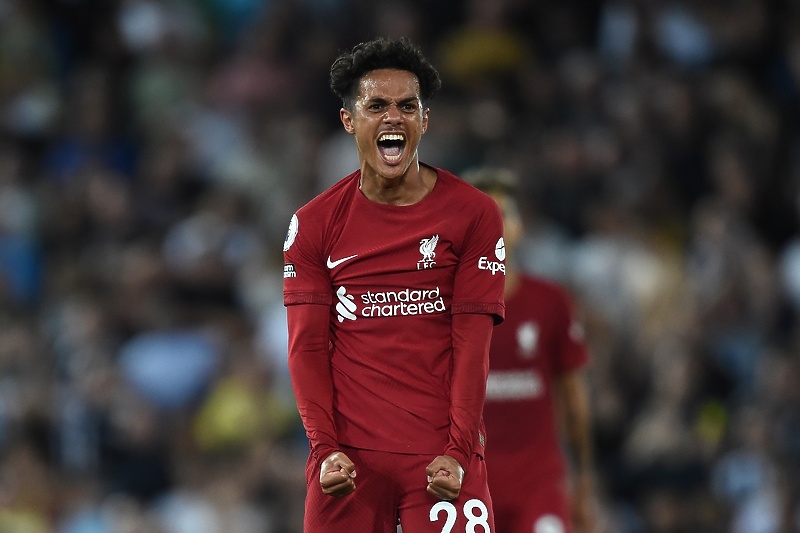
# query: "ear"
{"type": "Point", "coordinates": [425, 119]}
{"type": "Point", "coordinates": [347, 120]}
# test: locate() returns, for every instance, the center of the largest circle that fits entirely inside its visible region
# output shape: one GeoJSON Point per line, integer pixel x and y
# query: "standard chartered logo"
{"type": "Point", "coordinates": [346, 306]}
{"type": "Point", "coordinates": [404, 302]}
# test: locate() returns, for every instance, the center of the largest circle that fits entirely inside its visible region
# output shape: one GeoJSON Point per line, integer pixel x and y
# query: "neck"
{"type": "Point", "coordinates": [512, 280]}
{"type": "Point", "coordinates": [414, 185]}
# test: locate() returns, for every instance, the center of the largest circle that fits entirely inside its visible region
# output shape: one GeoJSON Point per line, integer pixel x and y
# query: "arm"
{"type": "Point", "coordinates": [572, 394]}
{"type": "Point", "coordinates": [472, 334]}
{"type": "Point", "coordinates": [309, 366]}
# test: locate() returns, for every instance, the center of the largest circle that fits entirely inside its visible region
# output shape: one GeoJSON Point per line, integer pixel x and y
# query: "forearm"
{"type": "Point", "coordinates": [472, 334]}
{"type": "Point", "coordinates": [576, 420]}
{"type": "Point", "coordinates": [309, 367]}
{"type": "Point", "coordinates": [577, 423]}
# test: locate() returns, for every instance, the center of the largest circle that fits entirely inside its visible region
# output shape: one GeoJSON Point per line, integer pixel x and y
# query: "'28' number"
{"type": "Point", "coordinates": [474, 510]}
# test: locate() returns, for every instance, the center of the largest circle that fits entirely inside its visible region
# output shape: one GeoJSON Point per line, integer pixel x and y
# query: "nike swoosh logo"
{"type": "Point", "coordinates": [332, 264]}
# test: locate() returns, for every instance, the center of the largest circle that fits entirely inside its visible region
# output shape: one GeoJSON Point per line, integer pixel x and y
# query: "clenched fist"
{"type": "Point", "coordinates": [337, 475]}
{"type": "Point", "coordinates": [445, 476]}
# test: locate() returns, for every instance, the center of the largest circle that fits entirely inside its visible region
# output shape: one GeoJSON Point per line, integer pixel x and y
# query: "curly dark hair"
{"type": "Point", "coordinates": [348, 69]}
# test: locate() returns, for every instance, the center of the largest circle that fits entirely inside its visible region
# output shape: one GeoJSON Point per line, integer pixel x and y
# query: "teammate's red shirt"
{"type": "Point", "coordinates": [392, 276]}
{"type": "Point", "coordinates": [538, 341]}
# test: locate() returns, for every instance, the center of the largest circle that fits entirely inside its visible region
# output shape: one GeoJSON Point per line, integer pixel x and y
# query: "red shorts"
{"type": "Point", "coordinates": [392, 487]}
{"type": "Point", "coordinates": [545, 508]}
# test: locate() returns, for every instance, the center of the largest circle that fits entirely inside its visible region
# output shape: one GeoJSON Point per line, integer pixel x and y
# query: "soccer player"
{"type": "Point", "coordinates": [393, 281]}
{"type": "Point", "coordinates": [536, 360]}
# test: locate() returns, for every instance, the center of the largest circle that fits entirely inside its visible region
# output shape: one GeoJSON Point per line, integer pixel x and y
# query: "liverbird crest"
{"type": "Point", "coordinates": [427, 248]}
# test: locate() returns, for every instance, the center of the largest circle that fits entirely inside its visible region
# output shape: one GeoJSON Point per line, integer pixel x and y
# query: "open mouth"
{"type": "Point", "coordinates": [391, 145]}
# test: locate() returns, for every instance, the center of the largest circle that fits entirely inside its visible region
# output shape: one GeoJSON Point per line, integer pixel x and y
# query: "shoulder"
{"type": "Point", "coordinates": [460, 186]}
{"type": "Point", "coordinates": [330, 196]}
{"type": "Point", "coordinates": [325, 205]}
{"type": "Point", "coordinates": [463, 193]}
{"type": "Point", "coordinates": [311, 222]}
{"type": "Point", "coordinates": [546, 289]}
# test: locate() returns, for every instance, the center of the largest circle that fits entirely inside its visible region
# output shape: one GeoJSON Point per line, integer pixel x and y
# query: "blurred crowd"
{"type": "Point", "coordinates": [152, 152]}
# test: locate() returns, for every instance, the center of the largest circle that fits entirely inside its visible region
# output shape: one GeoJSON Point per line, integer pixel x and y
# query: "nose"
{"type": "Point", "coordinates": [393, 114]}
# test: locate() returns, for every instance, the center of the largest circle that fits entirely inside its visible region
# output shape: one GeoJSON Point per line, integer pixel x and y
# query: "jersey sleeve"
{"type": "Point", "coordinates": [572, 352]}
{"type": "Point", "coordinates": [307, 295]}
{"type": "Point", "coordinates": [480, 275]}
{"type": "Point", "coordinates": [310, 371]}
{"type": "Point", "coordinates": [477, 290]}
{"type": "Point", "coordinates": [305, 277]}
{"type": "Point", "coordinates": [472, 334]}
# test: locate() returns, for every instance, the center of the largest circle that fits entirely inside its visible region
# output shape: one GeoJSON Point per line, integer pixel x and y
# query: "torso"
{"type": "Point", "coordinates": [392, 290]}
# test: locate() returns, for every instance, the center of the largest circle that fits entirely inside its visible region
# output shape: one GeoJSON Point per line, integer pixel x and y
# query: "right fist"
{"type": "Point", "coordinates": [337, 475]}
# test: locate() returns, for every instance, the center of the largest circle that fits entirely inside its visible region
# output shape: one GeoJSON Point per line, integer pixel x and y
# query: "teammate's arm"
{"type": "Point", "coordinates": [572, 394]}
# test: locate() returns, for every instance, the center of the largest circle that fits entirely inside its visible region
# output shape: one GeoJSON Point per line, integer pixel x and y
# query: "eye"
{"type": "Point", "coordinates": [409, 107]}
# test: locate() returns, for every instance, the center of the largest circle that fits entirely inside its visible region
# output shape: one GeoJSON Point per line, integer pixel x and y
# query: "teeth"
{"type": "Point", "coordinates": [391, 137]}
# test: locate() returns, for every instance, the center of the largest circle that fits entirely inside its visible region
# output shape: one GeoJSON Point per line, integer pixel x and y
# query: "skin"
{"type": "Point", "coordinates": [512, 233]}
{"type": "Point", "coordinates": [389, 101]}
{"type": "Point", "coordinates": [570, 389]}
{"type": "Point", "coordinates": [445, 477]}
{"type": "Point", "coordinates": [337, 476]}
{"type": "Point", "coordinates": [572, 396]}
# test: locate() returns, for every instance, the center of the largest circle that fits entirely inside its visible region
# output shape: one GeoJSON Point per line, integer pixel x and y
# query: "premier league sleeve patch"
{"type": "Point", "coordinates": [294, 225]}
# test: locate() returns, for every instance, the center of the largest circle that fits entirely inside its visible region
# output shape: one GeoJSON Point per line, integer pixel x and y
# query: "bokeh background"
{"type": "Point", "coordinates": [152, 152]}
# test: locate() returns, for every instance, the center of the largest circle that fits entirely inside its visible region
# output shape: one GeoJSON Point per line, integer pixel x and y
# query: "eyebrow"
{"type": "Point", "coordinates": [381, 100]}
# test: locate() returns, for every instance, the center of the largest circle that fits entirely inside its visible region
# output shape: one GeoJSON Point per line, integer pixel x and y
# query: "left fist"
{"type": "Point", "coordinates": [445, 476]}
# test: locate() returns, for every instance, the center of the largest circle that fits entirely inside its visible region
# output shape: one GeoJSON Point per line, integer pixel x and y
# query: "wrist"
{"type": "Point", "coordinates": [459, 458]}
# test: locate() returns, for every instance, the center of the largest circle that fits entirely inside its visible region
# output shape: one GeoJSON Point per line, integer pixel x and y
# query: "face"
{"type": "Point", "coordinates": [388, 121]}
{"type": "Point", "coordinates": [512, 223]}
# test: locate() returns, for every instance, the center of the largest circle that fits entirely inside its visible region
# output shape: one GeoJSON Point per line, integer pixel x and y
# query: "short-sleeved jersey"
{"type": "Point", "coordinates": [393, 276]}
{"type": "Point", "coordinates": [539, 340]}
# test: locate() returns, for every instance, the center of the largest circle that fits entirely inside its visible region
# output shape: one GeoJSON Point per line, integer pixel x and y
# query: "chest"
{"type": "Point", "coordinates": [528, 337]}
{"type": "Point", "coordinates": [372, 245]}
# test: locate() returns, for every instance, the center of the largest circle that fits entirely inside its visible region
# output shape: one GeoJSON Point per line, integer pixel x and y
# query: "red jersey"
{"type": "Point", "coordinates": [538, 341]}
{"type": "Point", "coordinates": [393, 276]}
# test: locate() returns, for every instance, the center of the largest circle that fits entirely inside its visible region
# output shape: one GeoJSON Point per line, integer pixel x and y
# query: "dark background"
{"type": "Point", "coordinates": [152, 152]}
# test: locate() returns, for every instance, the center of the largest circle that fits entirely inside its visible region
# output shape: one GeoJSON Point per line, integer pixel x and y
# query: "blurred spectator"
{"type": "Point", "coordinates": [151, 151]}
{"type": "Point", "coordinates": [20, 249]}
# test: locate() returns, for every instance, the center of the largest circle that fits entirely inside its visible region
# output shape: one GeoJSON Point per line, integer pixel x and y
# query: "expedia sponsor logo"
{"type": "Point", "coordinates": [484, 263]}
{"type": "Point", "coordinates": [374, 304]}
{"type": "Point", "coordinates": [500, 249]}
{"type": "Point", "coordinates": [289, 271]}
{"type": "Point", "coordinates": [492, 266]}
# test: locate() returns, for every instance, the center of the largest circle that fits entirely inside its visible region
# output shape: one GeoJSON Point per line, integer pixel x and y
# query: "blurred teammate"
{"type": "Point", "coordinates": [535, 375]}
{"type": "Point", "coordinates": [393, 280]}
